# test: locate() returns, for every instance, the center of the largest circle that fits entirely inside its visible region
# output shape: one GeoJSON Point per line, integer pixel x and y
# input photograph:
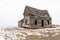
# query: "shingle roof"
{"type": "Point", "coordinates": [21, 20]}
{"type": "Point", "coordinates": [32, 10]}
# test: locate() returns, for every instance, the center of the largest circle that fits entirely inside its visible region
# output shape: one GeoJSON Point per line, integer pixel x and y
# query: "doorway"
{"type": "Point", "coordinates": [35, 22]}
{"type": "Point", "coordinates": [42, 23]}
{"type": "Point", "coordinates": [48, 22]}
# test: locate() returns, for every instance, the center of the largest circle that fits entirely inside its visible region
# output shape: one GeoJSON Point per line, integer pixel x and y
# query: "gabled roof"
{"type": "Point", "coordinates": [32, 10]}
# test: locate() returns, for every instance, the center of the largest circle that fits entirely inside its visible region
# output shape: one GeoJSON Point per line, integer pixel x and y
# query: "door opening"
{"type": "Point", "coordinates": [48, 22]}
{"type": "Point", "coordinates": [42, 23]}
{"type": "Point", "coordinates": [35, 22]}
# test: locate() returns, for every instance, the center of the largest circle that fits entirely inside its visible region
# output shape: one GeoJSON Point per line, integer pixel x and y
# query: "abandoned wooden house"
{"type": "Point", "coordinates": [34, 18]}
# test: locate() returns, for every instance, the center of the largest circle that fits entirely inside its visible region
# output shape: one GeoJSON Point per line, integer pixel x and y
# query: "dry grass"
{"type": "Point", "coordinates": [32, 37]}
{"type": "Point", "coordinates": [16, 33]}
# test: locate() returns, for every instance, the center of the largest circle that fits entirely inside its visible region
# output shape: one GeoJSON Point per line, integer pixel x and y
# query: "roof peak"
{"type": "Point", "coordinates": [33, 8]}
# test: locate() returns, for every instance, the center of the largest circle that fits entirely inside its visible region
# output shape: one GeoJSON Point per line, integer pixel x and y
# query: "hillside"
{"type": "Point", "coordinates": [16, 33]}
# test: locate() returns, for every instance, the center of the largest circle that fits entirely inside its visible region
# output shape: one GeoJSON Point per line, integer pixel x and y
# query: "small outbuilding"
{"type": "Point", "coordinates": [35, 18]}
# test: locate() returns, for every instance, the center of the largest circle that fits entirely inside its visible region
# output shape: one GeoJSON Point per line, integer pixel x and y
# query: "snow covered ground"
{"type": "Point", "coordinates": [16, 33]}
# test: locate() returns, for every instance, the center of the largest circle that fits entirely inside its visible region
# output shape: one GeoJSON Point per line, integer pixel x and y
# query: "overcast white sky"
{"type": "Point", "coordinates": [11, 11]}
